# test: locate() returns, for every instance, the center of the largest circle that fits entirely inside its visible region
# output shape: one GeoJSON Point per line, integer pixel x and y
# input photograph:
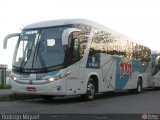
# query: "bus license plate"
{"type": "Point", "coordinates": [30, 89]}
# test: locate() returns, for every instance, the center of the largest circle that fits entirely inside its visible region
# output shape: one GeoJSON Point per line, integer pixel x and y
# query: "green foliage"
{"type": "Point", "coordinates": [5, 86]}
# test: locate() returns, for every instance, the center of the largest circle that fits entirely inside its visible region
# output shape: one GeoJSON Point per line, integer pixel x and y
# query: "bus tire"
{"type": "Point", "coordinates": [139, 86]}
{"type": "Point", "coordinates": [91, 88]}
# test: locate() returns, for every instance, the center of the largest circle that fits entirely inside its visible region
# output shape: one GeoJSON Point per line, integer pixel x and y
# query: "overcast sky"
{"type": "Point", "coordinates": [138, 19]}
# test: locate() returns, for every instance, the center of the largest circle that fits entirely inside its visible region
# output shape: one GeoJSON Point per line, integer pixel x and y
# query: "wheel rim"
{"type": "Point", "coordinates": [90, 90]}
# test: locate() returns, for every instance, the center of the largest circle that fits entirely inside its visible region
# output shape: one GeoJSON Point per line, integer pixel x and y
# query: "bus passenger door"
{"type": "Point", "coordinates": [74, 85]}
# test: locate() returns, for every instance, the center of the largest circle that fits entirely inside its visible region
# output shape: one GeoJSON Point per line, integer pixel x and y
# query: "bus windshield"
{"type": "Point", "coordinates": [39, 50]}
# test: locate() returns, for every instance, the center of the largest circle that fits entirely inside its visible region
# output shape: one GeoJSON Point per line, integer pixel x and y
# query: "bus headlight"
{"type": "Point", "coordinates": [52, 79]}
{"type": "Point", "coordinates": [14, 78]}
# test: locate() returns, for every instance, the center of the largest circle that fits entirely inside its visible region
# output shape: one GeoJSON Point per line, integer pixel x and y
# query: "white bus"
{"type": "Point", "coordinates": [77, 57]}
{"type": "Point", "coordinates": [156, 69]}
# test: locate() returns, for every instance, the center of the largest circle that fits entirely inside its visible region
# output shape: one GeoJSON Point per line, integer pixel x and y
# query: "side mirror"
{"type": "Point", "coordinates": [8, 37]}
{"type": "Point", "coordinates": [66, 34]}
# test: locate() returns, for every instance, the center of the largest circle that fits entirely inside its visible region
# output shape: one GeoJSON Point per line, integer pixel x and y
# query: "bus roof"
{"type": "Point", "coordinates": [58, 22]}
{"type": "Point", "coordinates": [51, 23]}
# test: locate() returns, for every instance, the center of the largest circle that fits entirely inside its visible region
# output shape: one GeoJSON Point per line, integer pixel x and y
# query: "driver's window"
{"type": "Point", "coordinates": [73, 52]}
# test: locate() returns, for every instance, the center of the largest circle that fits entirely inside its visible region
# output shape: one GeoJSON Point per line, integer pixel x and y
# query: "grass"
{"type": "Point", "coordinates": [5, 86]}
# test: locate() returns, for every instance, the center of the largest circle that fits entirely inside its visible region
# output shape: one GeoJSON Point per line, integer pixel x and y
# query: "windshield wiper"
{"type": "Point", "coordinates": [27, 54]}
{"type": "Point", "coordinates": [26, 57]}
{"type": "Point", "coordinates": [39, 55]}
{"type": "Point", "coordinates": [41, 60]}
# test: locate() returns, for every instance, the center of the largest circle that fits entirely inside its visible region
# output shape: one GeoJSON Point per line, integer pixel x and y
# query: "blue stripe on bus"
{"type": "Point", "coordinates": [53, 73]}
{"type": "Point", "coordinates": [41, 76]}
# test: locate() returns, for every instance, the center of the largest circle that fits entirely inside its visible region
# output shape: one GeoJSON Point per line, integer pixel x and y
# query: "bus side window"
{"type": "Point", "coordinates": [159, 63]}
{"type": "Point", "coordinates": [76, 51]}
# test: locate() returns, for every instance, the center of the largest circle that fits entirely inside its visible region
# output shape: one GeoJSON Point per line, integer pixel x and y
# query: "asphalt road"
{"type": "Point", "coordinates": [108, 103]}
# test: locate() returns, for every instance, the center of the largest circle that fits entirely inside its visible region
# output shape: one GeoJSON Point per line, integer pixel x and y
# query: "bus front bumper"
{"type": "Point", "coordinates": [53, 88]}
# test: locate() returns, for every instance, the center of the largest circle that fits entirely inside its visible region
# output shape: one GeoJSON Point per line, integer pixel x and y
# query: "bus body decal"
{"type": "Point", "coordinates": [124, 74]}
{"type": "Point", "coordinates": [93, 61]}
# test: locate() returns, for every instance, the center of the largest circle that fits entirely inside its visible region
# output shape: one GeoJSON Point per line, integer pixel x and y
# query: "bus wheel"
{"type": "Point", "coordinates": [47, 97]}
{"type": "Point", "coordinates": [139, 86]}
{"type": "Point", "coordinates": [90, 94]}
